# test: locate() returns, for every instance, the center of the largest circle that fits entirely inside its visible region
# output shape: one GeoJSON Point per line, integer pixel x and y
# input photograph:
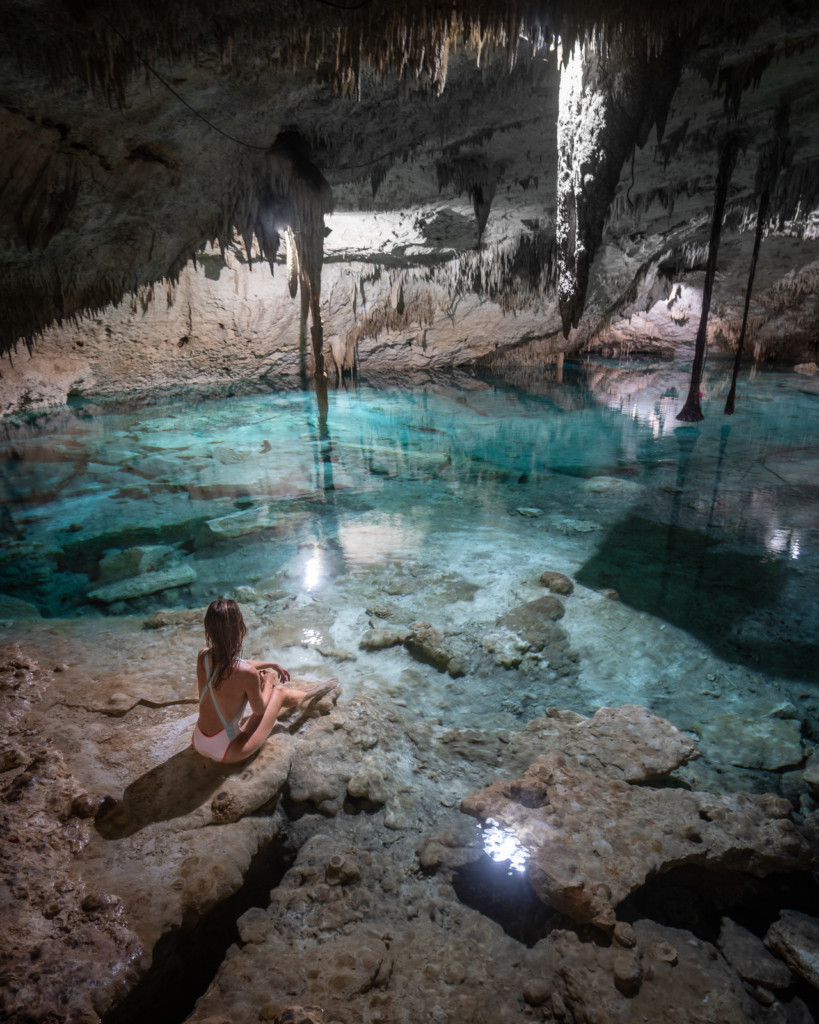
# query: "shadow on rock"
{"type": "Point", "coordinates": [170, 790]}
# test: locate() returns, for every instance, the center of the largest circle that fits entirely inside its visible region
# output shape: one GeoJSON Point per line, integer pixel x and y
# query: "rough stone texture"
{"type": "Point", "coordinates": [591, 840]}
{"type": "Point", "coordinates": [426, 644]}
{"type": "Point", "coordinates": [65, 946]}
{"type": "Point", "coordinates": [771, 743]}
{"type": "Point", "coordinates": [795, 938]}
{"type": "Point", "coordinates": [362, 925]}
{"type": "Point", "coordinates": [104, 200]}
{"type": "Point", "coordinates": [557, 582]}
{"type": "Point", "coordinates": [747, 954]}
{"type": "Point", "coordinates": [682, 980]}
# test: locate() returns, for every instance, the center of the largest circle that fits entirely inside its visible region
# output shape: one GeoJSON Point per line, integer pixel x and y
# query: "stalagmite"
{"type": "Point", "coordinates": [608, 105]}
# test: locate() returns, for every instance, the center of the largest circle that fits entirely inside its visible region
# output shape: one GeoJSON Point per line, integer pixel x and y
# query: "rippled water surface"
{"type": "Point", "coordinates": [444, 502]}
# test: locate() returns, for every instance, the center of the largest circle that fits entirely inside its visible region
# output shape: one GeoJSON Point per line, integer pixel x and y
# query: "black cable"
{"type": "Point", "coordinates": [170, 88]}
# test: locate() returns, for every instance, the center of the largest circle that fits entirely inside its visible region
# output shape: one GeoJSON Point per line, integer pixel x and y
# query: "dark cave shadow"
{"type": "Point", "coordinates": [169, 790]}
{"type": "Point", "coordinates": [718, 596]}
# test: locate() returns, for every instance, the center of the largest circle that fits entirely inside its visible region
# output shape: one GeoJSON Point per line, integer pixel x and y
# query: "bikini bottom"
{"type": "Point", "coordinates": [215, 747]}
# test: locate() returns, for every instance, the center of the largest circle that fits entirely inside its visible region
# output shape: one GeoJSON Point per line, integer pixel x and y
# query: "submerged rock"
{"type": "Point", "coordinates": [136, 561]}
{"type": "Point", "coordinates": [771, 743]}
{"type": "Point", "coordinates": [427, 645]}
{"type": "Point", "coordinates": [148, 583]}
{"type": "Point", "coordinates": [16, 608]}
{"type": "Point", "coordinates": [238, 524]}
{"type": "Point", "coordinates": [557, 582]}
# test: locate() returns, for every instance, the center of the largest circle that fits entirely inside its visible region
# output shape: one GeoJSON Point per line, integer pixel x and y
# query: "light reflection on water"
{"type": "Point", "coordinates": [501, 844]}
{"type": "Point", "coordinates": [252, 489]}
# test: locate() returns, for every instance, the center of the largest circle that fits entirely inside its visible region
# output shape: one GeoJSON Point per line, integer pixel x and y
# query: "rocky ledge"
{"type": "Point", "coordinates": [375, 898]}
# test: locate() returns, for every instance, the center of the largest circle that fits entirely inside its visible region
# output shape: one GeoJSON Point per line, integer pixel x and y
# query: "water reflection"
{"type": "Point", "coordinates": [711, 529]}
{"type": "Point", "coordinates": [501, 844]}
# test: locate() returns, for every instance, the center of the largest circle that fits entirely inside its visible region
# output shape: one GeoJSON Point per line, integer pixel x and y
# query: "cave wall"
{"type": "Point", "coordinates": [448, 242]}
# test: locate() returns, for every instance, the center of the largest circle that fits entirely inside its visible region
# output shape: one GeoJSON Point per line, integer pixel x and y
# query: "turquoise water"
{"type": "Point", "coordinates": [418, 492]}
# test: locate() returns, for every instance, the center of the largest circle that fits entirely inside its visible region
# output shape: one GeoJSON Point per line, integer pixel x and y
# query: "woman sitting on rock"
{"type": "Point", "coordinates": [220, 734]}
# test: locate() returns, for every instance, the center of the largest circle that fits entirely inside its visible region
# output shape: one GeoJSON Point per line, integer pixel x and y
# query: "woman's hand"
{"type": "Point", "coordinates": [284, 675]}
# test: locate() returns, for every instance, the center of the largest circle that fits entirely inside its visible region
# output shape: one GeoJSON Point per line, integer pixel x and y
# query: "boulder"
{"type": "Point", "coordinates": [795, 938]}
{"type": "Point", "coordinates": [380, 639]}
{"type": "Point", "coordinates": [748, 956]}
{"type": "Point", "coordinates": [149, 583]}
{"type": "Point", "coordinates": [534, 621]}
{"type": "Point", "coordinates": [427, 645]}
{"type": "Point", "coordinates": [557, 582]}
{"type": "Point", "coordinates": [590, 838]}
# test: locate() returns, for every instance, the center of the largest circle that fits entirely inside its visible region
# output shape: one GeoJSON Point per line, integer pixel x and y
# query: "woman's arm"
{"type": "Point", "coordinates": [280, 669]}
{"type": "Point", "coordinates": [255, 690]}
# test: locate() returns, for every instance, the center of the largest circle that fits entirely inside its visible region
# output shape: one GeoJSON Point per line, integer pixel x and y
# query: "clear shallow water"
{"type": "Point", "coordinates": [413, 496]}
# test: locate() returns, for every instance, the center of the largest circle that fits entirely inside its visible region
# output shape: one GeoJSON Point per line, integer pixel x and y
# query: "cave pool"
{"type": "Point", "coordinates": [693, 548]}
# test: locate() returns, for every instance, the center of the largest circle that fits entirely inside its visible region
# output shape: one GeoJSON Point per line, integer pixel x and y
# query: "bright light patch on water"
{"type": "Point", "coordinates": [313, 571]}
{"type": "Point", "coordinates": [311, 637]}
{"type": "Point", "coordinates": [781, 542]}
{"type": "Point", "coordinates": [501, 844]}
{"type": "Point", "coordinates": [375, 538]}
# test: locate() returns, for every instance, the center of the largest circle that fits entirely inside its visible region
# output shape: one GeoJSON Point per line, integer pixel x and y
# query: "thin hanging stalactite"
{"type": "Point", "coordinates": [728, 148]}
{"type": "Point", "coordinates": [774, 156]}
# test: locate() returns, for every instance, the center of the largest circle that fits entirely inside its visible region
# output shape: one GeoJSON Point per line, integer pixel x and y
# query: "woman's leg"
{"type": "Point", "coordinates": [258, 727]}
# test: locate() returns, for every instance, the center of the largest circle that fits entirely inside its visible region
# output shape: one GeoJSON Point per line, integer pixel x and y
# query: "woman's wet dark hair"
{"type": "Point", "coordinates": [224, 630]}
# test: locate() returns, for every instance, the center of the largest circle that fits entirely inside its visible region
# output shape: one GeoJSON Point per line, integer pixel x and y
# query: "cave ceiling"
{"type": "Point", "coordinates": [135, 135]}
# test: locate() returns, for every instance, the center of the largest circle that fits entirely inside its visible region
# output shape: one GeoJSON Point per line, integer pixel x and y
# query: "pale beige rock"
{"type": "Point", "coordinates": [147, 583]}
{"type": "Point", "coordinates": [427, 645]}
{"type": "Point", "coordinates": [626, 742]}
{"type": "Point", "coordinates": [380, 639]}
{"type": "Point", "coordinates": [239, 524]}
{"type": "Point", "coordinates": [591, 838]}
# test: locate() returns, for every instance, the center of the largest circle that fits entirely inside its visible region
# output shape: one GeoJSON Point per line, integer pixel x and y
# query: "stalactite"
{"type": "Point", "coordinates": [729, 146]}
{"type": "Point", "coordinates": [474, 174]}
{"type": "Point", "coordinates": [772, 158]}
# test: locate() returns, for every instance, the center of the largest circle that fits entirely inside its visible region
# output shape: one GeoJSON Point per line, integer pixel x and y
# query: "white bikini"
{"type": "Point", "coordinates": [216, 745]}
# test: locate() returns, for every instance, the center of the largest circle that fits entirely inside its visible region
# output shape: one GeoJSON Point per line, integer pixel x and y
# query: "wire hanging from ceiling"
{"type": "Point", "coordinates": [170, 88]}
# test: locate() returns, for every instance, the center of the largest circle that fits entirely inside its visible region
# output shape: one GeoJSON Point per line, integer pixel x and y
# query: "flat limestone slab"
{"type": "Point", "coordinates": [148, 583]}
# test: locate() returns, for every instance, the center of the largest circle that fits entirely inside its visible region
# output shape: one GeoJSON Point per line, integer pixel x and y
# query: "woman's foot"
{"type": "Point", "coordinates": [319, 690]}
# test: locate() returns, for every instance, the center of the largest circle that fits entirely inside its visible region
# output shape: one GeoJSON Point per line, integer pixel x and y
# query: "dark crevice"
{"type": "Point", "coordinates": [186, 959]}
{"type": "Point", "coordinates": [496, 889]}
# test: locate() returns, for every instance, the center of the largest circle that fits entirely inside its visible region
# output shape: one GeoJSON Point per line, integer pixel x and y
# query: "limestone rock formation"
{"type": "Point", "coordinates": [590, 837]}
{"type": "Point", "coordinates": [449, 167]}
